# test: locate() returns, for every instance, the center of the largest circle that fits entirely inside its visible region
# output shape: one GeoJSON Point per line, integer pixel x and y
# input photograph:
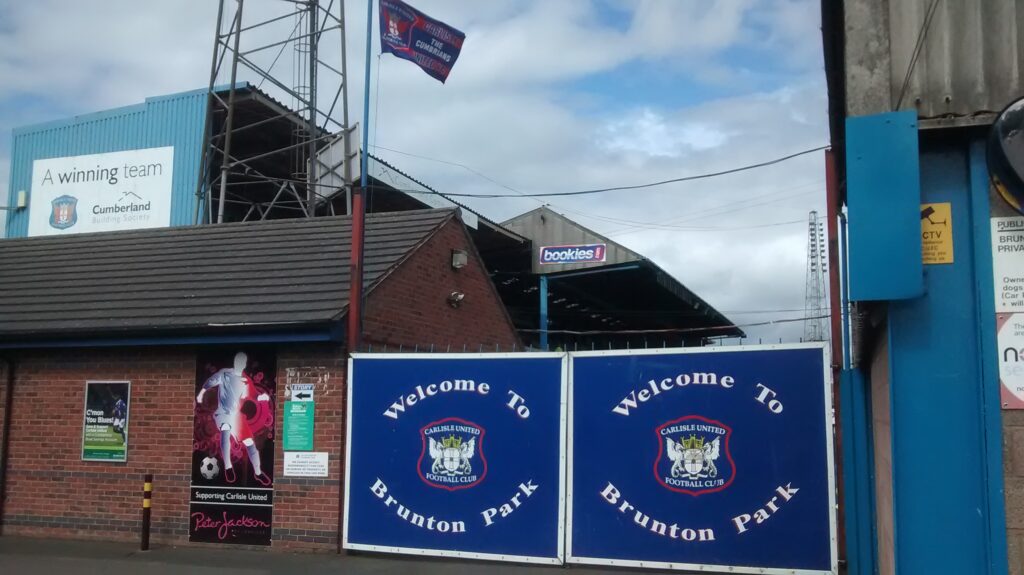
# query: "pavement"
{"type": "Point", "coordinates": [56, 556]}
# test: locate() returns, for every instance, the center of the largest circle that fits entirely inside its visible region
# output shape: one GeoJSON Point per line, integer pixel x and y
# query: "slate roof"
{"type": "Point", "coordinates": [254, 275]}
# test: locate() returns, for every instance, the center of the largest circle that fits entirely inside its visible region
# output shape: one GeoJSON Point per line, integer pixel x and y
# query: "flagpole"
{"type": "Point", "coordinates": [355, 300]}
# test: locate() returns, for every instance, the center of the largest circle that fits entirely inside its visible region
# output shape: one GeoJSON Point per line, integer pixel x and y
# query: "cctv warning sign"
{"type": "Point", "coordinates": [937, 233]}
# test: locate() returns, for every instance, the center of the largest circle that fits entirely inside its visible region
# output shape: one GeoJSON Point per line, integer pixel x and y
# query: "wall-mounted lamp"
{"type": "Point", "coordinates": [19, 203]}
{"type": "Point", "coordinates": [460, 259]}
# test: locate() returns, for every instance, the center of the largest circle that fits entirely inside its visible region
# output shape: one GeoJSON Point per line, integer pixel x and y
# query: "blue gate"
{"type": "Point", "coordinates": [703, 458]}
{"type": "Point", "coordinates": [457, 455]}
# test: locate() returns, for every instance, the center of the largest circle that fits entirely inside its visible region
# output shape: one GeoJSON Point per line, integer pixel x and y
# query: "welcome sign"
{"type": "Point", "coordinates": [457, 455]}
{"type": "Point", "coordinates": [711, 458]}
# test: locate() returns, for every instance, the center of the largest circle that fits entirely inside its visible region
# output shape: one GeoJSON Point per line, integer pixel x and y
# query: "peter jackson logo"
{"type": "Point", "coordinates": [225, 526]}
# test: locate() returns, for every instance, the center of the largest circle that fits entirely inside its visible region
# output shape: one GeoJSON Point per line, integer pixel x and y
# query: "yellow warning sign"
{"type": "Point", "coordinates": [937, 233]}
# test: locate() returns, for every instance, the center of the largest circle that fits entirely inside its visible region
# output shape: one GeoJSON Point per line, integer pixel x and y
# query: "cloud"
{"type": "Point", "coordinates": [648, 133]}
{"type": "Point", "coordinates": [546, 96]}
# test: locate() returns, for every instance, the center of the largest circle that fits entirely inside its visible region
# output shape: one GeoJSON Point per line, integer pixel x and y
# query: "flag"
{"type": "Point", "coordinates": [412, 35]}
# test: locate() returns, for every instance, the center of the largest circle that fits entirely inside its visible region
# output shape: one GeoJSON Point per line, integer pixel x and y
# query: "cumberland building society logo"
{"type": "Point", "coordinates": [64, 213]}
{"type": "Point", "coordinates": [452, 456]}
{"type": "Point", "coordinates": [693, 456]}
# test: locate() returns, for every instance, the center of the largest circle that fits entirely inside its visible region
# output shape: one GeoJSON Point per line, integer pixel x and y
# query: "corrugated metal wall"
{"type": "Point", "coordinates": [969, 64]}
{"type": "Point", "coordinates": [174, 120]}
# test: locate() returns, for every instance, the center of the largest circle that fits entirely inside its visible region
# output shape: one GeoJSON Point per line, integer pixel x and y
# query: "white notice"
{"type": "Point", "coordinates": [101, 192]}
{"type": "Point", "coordinates": [1008, 263]}
{"type": "Point", "coordinates": [305, 463]}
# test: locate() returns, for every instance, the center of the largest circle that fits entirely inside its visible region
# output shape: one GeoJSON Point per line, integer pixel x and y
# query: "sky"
{"type": "Point", "coordinates": [547, 96]}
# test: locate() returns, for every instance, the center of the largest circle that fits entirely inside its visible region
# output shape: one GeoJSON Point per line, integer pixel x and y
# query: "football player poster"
{"type": "Point", "coordinates": [105, 425]}
{"type": "Point", "coordinates": [232, 494]}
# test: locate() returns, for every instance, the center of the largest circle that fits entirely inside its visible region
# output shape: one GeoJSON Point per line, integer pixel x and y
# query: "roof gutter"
{"type": "Point", "coordinates": [312, 335]}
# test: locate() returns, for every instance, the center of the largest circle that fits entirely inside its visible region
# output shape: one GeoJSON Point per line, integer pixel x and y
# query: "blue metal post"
{"type": "Point", "coordinates": [991, 415]}
{"type": "Point", "coordinates": [544, 312]}
{"type": "Point", "coordinates": [845, 292]}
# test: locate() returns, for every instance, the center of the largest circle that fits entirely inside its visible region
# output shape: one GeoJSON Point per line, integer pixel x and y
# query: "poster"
{"type": "Point", "coordinates": [101, 192]}
{"type": "Point", "coordinates": [1010, 341]}
{"type": "Point", "coordinates": [1008, 263]}
{"type": "Point", "coordinates": [703, 459]}
{"type": "Point", "coordinates": [306, 464]}
{"type": "Point", "coordinates": [232, 492]}
{"type": "Point", "coordinates": [298, 425]}
{"type": "Point", "coordinates": [105, 421]}
{"type": "Point", "coordinates": [457, 455]}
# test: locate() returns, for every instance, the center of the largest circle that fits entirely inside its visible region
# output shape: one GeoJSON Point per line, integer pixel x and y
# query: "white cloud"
{"type": "Point", "coordinates": [650, 134]}
{"type": "Point", "coordinates": [510, 110]}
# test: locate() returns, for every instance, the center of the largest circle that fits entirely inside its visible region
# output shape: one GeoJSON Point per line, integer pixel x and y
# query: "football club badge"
{"type": "Point", "coordinates": [693, 455]}
{"type": "Point", "coordinates": [64, 213]}
{"type": "Point", "coordinates": [452, 457]}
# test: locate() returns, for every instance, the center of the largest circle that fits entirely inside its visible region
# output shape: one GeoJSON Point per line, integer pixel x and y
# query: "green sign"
{"type": "Point", "coordinates": [298, 426]}
{"type": "Point", "coordinates": [105, 424]}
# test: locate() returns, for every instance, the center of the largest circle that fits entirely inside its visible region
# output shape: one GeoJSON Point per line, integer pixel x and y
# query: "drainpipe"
{"type": "Point", "coordinates": [6, 447]}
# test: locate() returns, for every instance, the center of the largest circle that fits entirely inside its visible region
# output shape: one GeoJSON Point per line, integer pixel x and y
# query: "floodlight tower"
{"type": "Point", "coordinates": [815, 298]}
{"type": "Point", "coordinates": [315, 162]}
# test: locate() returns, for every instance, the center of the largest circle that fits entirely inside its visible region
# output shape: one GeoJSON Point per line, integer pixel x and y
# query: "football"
{"type": "Point", "coordinates": [209, 468]}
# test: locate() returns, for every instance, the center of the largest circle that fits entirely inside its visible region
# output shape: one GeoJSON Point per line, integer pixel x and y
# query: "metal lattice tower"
{"type": "Point", "coordinates": [815, 298]}
{"type": "Point", "coordinates": [285, 164]}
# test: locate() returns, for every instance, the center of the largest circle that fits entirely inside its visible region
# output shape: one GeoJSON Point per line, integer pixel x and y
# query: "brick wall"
{"type": "Point", "coordinates": [881, 427]}
{"type": "Point", "coordinates": [52, 493]}
{"type": "Point", "coordinates": [306, 509]}
{"type": "Point", "coordinates": [1013, 475]}
{"type": "Point", "coordinates": [420, 287]}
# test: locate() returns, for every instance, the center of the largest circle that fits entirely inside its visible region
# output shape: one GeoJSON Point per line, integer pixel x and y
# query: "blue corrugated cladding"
{"type": "Point", "coordinates": [174, 120]}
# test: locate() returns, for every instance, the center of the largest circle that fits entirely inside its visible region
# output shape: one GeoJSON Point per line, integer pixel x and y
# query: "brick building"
{"type": "Point", "coordinates": [141, 306]}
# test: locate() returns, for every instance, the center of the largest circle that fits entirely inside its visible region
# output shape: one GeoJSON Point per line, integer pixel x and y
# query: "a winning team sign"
{"type": "Point", "coordinates": [105, 425]}
{"type": "Point", "coordinates": [101, 192]}
{"type": "Point", "coordinates": [457, 455]}
{"type": "Point", "coordinates": [715, 459]}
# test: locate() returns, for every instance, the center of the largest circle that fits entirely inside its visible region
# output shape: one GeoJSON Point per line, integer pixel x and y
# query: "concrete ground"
{"type": "Point", "coordinates": [54, 556]}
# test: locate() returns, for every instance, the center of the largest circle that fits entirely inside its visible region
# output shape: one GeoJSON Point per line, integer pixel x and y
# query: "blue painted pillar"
{"type": "Point", "coordinates": [945, 456]}
{"type": "Point", "coordinates": [544, 312]}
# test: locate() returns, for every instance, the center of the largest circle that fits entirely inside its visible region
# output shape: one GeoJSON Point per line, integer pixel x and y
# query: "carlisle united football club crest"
{"type": "Point", "coordinates": [693, 455]}
{"type": "Point", "coordinates": [452, 456]}
{"type": "Point", "coordinates": [64, 213]}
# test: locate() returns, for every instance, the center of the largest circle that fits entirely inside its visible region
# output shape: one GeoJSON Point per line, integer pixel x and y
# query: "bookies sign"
{"type": "Point", "coordinates": [457, 455]}
{"type": "Point", "coordinates": [712, 459]}
{"type": "Point", "coordinates": [101, 192]}
{"type": "Point", "coordinates": [581, 254]}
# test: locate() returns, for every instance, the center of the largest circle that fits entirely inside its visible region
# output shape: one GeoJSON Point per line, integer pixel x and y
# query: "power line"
{"type": "Point", "coordinates": [918, 45]}
{"type": "Point", "coordinates": [458, 165]}
{"type": "Point", "coordinates": [672, 223]}
{"type": "Point", "coordinates": [719, 213]}
{"type": "Point", "coordinates": [670, 330]}
{"type": "Point", "coordinates": [641, 186]}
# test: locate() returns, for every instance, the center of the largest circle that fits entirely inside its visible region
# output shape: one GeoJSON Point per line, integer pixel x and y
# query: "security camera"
{"type": "Point", "coordinates": [455, 298]}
